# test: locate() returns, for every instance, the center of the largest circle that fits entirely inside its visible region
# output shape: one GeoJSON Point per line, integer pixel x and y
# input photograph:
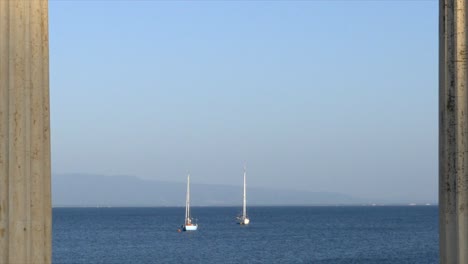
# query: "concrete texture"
{"type": "Point", "coordinates": [25, 202]}
{"type": "Point", "coordinates": [453, 134]}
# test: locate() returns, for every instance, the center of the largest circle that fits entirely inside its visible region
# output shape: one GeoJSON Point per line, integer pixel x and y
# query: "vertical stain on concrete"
{"type": "Point", "coordinates": [453, 125]}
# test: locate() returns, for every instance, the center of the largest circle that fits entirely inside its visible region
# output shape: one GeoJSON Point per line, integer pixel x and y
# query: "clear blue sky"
{"type": "Point", "coordinates": [336, 96]}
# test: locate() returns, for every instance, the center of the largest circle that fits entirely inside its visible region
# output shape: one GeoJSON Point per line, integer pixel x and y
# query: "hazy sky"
{"type": "Point", "coordinates": [336, 96]}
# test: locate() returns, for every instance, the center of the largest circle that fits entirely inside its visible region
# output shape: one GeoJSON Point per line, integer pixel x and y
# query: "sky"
{"type": "Point", "coordinates": [329, 96]}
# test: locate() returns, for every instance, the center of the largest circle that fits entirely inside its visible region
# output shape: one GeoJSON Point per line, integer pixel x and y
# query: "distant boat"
{"type": "Point", "coordinates": [188, 224]}
{"type": "Point", "coordinates": [243, 219]}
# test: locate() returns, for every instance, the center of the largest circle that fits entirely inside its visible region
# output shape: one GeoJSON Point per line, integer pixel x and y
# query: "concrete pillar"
{"type": "Point", "coordinates": [25, 202]}
{"type": "Point", "coordinates": [453, 132]}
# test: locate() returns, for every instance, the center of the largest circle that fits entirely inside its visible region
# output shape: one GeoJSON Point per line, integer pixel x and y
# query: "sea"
{"type": "Point", "coordinates": [293, 234]}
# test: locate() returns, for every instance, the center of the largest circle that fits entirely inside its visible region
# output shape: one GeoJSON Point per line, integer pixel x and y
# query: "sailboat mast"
{"type": "Point", "coordinates": [187, 201]}
{"type": "Point", "coordinates": [244, 209]}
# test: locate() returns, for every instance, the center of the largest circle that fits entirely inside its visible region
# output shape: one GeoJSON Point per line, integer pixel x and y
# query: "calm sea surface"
{"type": "Point", "coordinates": [276, 235]}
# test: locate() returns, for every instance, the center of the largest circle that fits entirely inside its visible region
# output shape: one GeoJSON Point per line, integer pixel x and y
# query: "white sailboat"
{"type": "Point", "coordinates": [243, 219]}
{"type": "Point", "coordinates": [188, 224]}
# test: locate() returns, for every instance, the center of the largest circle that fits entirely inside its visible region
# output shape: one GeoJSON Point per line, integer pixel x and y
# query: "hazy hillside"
{"type": "Point", "coordinates": [93, 190]}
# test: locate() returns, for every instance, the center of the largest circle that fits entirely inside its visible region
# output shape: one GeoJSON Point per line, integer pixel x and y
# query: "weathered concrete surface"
{"type": "Point", "coordinates": [453, 133]}
{"type": "Point", "coordinates": [25, 204]}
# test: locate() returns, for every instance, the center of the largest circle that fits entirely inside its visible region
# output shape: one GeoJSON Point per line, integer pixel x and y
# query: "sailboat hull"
{"type": "Point", "coordinates": [190, 228]}
{"type": "Point", "coordinates": [244, 221]}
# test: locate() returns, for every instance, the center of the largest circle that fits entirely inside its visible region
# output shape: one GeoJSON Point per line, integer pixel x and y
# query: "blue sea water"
{"type": "Point", "coordinates": [342, 234]}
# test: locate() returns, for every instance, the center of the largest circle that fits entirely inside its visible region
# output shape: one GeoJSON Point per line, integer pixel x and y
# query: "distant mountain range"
{"type": "Point", "coordinates": [98, 190]}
